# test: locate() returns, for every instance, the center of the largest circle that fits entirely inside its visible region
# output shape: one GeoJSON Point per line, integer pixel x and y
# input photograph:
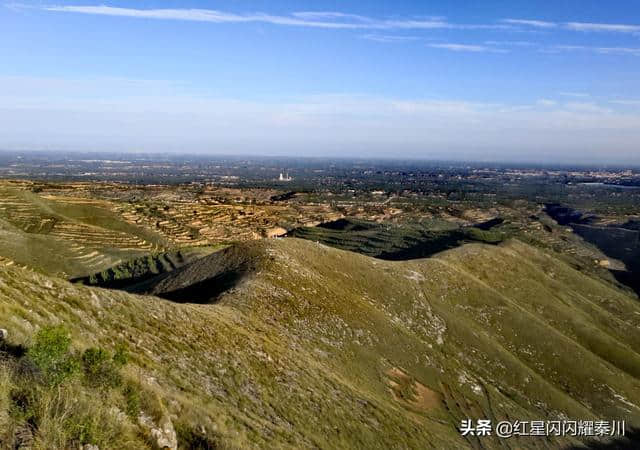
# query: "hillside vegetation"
{"type": "Point", "coordinates": [318, 347]}
{"type": "Point", "coordinates": [138, 270]}
{"type": "Point", "coordinates": [397, 242]}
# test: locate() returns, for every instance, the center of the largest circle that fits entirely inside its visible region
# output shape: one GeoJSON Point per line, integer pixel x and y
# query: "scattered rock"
{"type": "Point", "coordinates": [118, 414]}
{"type": "Point", "coordinates": [3, 334]}
{"type": "Point", "coordinates": [90, 447]}
{"type": "Point", "coordinates": [164, 436]}
{"type": "Point", "coordinates": [275, 232]}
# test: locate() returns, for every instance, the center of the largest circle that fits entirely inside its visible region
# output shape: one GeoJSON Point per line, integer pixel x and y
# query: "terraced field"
{"type": "Point", "coordinates": [76, 229]}
{"type": "Point", "coordinates": [66, 236]}
{"type": "Point", "coordinates": [205, 221]}
{"type": "Point", "coordinates": [137, 270]}
{"type": "Point", "coordinates": [182, 216]}
{"type": "Point", "coordinates": [198, 223]}
{"type": "Point", "coordinates": [395, 242]}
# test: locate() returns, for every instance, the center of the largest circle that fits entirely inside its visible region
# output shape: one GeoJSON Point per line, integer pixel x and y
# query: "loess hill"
{"type": "Point", "coordinates": [67, 236]}
{"type": "Point", "coordinates": [311, 346]}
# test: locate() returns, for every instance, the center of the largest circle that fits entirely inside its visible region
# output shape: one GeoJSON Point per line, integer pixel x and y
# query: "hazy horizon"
{"type": "Point", "coordinates": [493, 82]}
{"type": "Point", "coordinates": [393, 162]}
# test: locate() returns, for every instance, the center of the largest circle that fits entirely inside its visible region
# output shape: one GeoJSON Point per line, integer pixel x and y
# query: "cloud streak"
{"type": "Point", "coordinates": [330, 20]}
{"type": "Point", "coordinates": [511, 43]}
{"type": "Point", "coordinates": [633, 51]}
{"type": "Point", "coordinates": [574, 94]}
{"type": "Point", "coordinates": [627, 102]}
{"type": "Point", "coordinates": [576, 26]}
{"type": "Point", "coordinates": [389, 39]}
{"type": "Point", "coordinates": [467, 48]}
{"type": "Point", "coordinates": [344, 21]}
{"type": "Point", "coordinates": [312, 19]}
{"type": "Point", "coordinates": [530, 22]}
{"type": "Point", "coordinates": [608, 27]}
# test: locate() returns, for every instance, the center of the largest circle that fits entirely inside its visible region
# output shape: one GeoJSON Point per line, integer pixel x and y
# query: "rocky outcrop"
{"type": "Point", "coordinates": [275, 232]}
{"type": "Point", "coordinates": [162, 434]}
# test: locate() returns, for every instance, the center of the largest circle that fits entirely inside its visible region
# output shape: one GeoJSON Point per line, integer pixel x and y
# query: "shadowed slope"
{"type": "Point", "coordinates": [144, 268]}
{"type": "Point", "coordinates": [204, 279]}
{"type": "Point", "coordinates": [619, 241]}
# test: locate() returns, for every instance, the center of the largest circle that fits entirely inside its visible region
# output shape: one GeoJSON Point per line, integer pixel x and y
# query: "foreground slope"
{"type": "Point", "coordinates": [318, 347]}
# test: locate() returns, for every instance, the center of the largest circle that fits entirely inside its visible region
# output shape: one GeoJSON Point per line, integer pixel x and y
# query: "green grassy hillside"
{"type": "Point", "coordinates": [319, 347]}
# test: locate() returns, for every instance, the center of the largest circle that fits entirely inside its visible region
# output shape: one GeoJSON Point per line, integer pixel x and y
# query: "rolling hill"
{"type": "Point", "coordinates": [308, 346]}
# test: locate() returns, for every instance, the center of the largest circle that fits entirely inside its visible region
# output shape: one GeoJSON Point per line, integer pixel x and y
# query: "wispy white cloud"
{"type": "Point", "coordinates": [633, 51]}
{"type": "Point", "coordinates": [587, 107]}
{"type": "Point", "coordinates": [610, 27]}
{"type": "Point", "coordinates": [330, 15]}
{"type": "Point", "coordinates": [511, 43]}
{"type": "Point", "coordinates": [626, 102]}
{"type": "Point", "coordinates": [576, 26]}
{"type": "Point", "coordinates": [315, 19]}
{"type": "Point", "coordinates": [546, 102]}
{"type": "Point", "coordinates": [530, 22]}
{"type": "Point", "coordinates": [574, 94]}
{"type": "Point", "coordinates": [467, 48]}
{"type": "Point", "coordinates": [388, 39]}
{"type": "Point", "coordinates": [331, 20]}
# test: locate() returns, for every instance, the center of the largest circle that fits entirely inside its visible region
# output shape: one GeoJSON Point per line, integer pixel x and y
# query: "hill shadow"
{"type": "Point", "coordinates": [138, 270]}
{"type": "Point", "coordinates": [618, 241]}
{"type": "Point", "coordinates": [205, 291]}
{"type": "Point", "coordinates": [202, 280]}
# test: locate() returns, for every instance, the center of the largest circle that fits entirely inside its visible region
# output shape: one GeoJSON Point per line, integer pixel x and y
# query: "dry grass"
{"type": "Point", "coordinates": [72, 414]}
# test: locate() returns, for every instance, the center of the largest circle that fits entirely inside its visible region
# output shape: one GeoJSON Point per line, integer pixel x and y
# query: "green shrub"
{"type": "Point", "coordinates": [121, 356]}
{"type": "Point", "coordinates": [132, 399]}
{"type": "Point", "coordinates": [50, 355]}
{"type": "Point", "coordinates": [41, 392]}
{"type": "Point", "coordinates": [100, 370]}
{"type": "Point", "coordinates": [142, 398]}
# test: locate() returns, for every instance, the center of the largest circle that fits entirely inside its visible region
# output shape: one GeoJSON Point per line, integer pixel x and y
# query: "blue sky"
{"type": "Point", "coordinates": [495, 80]}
